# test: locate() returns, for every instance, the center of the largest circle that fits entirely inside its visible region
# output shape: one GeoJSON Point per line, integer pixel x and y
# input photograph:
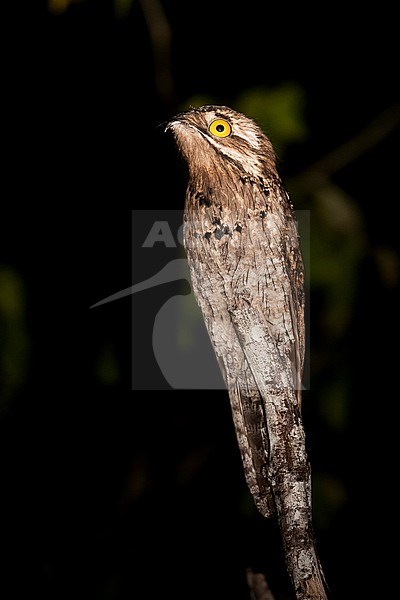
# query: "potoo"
{"type": "Point", "coordinates": [246, 269]}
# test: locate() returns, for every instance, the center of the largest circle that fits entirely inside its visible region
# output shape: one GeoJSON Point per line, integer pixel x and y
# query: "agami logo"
{"type": "Point", "coordinates": [165, 314]}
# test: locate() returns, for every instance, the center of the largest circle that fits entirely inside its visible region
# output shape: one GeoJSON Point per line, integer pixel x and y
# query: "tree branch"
{"type": "Point", "coordinates": [371, 135]}
{"type": "Point", "coordinates": [289, 472]}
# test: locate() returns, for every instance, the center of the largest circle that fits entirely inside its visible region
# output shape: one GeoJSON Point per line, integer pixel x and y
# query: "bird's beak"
{"type": "Point", "coordinates": [170, 125]}
{"type": "Point", "coordinates": [178, 124]}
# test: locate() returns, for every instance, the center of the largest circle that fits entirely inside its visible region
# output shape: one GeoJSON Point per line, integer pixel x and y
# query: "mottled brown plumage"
{"type": "Point", "coordinates": [246, 269]}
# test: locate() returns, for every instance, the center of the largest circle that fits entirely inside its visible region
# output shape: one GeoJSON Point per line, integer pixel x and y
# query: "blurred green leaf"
{"type": "Point", "coordinates": [122, 8]}
{"type": "Point", "coordinates": [329, 496]}
{"type": "Point", "coordinates": [337, 246]}
{"type": "Point", "coordinates": [14, 342]}
{"type": "Point", "coordinates": [334, 402]}
{"type": "Point", "coordinates": [108, 371]}
{"type": "Point", "coordinates": [58, 7]}
{"type": "Point", "coordinates": [279, 111]}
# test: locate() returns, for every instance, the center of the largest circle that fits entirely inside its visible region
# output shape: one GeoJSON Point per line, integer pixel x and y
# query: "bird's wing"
{"type": "Point", "coordinates": [277, 299]}
{"type": "Point", "coordinates": [252, 435]}
{"type": "Point", "coordinates": [257, 339]}
{"type": "Point", "coordinates": [270, 368]}
{"type": "Point", "coordinates": [268, 322]}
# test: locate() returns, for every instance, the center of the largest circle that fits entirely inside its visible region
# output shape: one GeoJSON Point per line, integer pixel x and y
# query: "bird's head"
{"type": "Point", "coordinates": [216, 137]}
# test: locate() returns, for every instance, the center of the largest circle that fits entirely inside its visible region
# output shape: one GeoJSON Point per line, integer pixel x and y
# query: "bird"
{"type": "Point", "coordinates": [243, 249]}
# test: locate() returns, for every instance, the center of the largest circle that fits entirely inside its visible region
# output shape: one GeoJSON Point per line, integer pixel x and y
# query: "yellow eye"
{"type": "Point", "coordinates": [220, 128]}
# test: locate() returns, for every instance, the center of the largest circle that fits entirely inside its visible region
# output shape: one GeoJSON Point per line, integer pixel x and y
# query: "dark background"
{"type": "Point", "coordinates": [112, 494]}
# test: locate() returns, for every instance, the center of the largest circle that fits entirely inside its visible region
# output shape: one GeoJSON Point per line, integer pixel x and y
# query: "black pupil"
{"type": "Point", "coordinates": [220, 128]}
